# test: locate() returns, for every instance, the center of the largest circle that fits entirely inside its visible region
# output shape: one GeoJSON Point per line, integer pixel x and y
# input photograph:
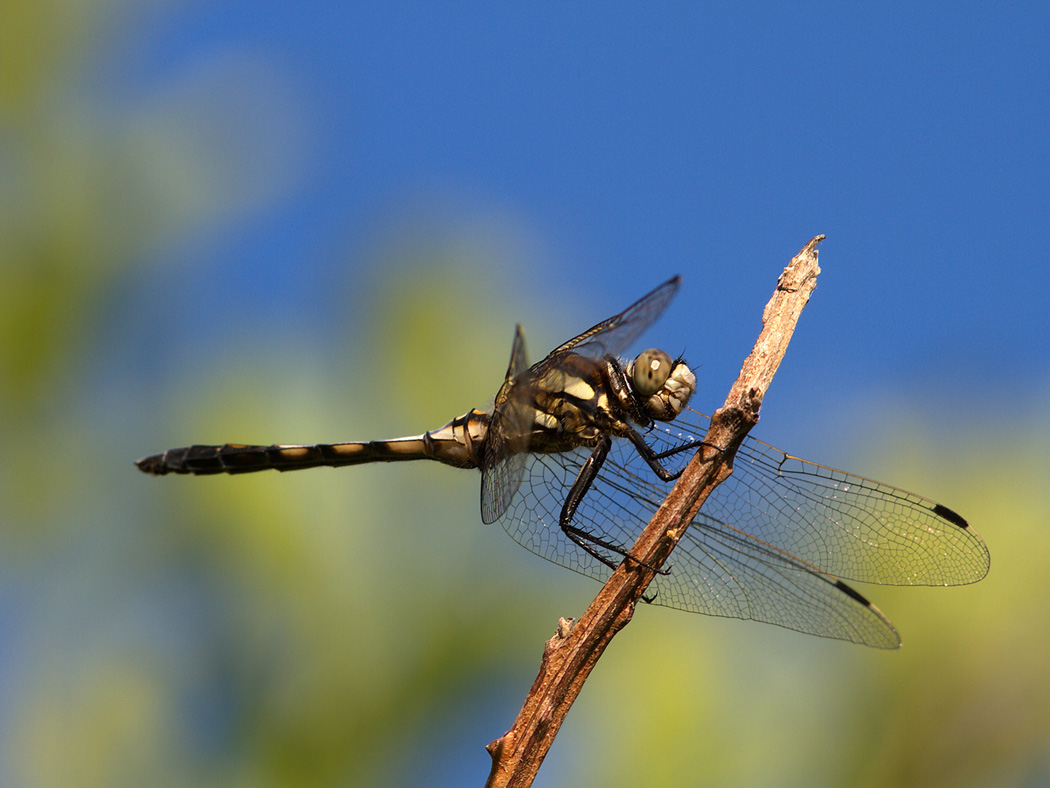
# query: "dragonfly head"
{"type": "Point", "coordinates": [663, 385]}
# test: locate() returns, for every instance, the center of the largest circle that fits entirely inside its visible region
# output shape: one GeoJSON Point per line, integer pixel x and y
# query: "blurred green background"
{"type": "Point", "coordinates": [269, 223]}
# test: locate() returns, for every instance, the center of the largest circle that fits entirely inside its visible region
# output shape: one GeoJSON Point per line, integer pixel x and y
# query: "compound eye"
{"type": "Point", "coordinates": [649, 371]}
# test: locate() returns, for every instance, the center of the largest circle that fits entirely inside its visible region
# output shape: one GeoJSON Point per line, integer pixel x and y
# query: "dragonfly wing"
{"type": "Point", "coordinates": [532, 518]}
{"type": "Point", "coordinates": [501, 472]}
{"type": "Point", "coordinates": [615, 335]}
{"type": "Point", "coordinates": [519, 363]}
{"type": "Point", "coordinates": [715, 570]}
{"type": "Point", "coordinates": [502, 463]}
{"type": "Point", "coordinates": [846, 525]}
{"type": "Point", "coordinates": [721, 571]}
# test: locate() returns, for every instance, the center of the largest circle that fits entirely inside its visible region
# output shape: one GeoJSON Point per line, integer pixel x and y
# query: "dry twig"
{"type": "Point", "coordinates": [570, 655]}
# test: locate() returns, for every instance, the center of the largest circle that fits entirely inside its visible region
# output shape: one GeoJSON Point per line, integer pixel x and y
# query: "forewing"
{"type": "Point", "coordinates": [846, 525]}
{"type": "Point", "coordinates": [615, 335]}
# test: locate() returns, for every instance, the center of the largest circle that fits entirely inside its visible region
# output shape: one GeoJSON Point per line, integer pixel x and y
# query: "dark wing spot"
{"type": "Point", "coordinates": [947, 514]}
{"type": "Point", "coordinates": [852, 593]}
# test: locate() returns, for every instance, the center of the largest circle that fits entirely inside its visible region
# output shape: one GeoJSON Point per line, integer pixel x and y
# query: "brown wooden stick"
{"type": "Point", "coordinates": [569, 656]}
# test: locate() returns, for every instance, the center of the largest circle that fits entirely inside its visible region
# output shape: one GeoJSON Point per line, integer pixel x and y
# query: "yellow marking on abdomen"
{"type": "Point", "coordinates": [348, 449]}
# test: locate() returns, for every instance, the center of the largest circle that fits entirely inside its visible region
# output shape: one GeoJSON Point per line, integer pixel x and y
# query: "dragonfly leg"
{"type": "Point", "coordinates": [685, 447]}
{"type": "Point", "coordinates": [584, 480]}
{"type": "Point", "coordinates": [652, 458]}
{"type": "Point", "coordinates": [587, 541]}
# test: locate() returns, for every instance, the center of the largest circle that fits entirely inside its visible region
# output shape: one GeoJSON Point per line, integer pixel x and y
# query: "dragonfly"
{"type": "Point", "coordinates": [578, 451]}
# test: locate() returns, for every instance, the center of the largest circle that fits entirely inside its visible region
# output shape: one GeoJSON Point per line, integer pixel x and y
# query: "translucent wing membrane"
{"type": "Point", "coordinates": [768, 545]}
{"type": "Point", "coordinates": [501, 467]}
{"type": "Point", "coordinates": [852, 527]}
{"type": "Point", "coordinates": [501, 474]}
{"type": "Point", "coordinates": [615, 335]}
{"type": "Point", "coordinates": [715, 570]}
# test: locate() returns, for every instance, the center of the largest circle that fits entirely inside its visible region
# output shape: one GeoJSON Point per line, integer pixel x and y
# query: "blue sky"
{"type": "Point", "coordinates": [627, 145]}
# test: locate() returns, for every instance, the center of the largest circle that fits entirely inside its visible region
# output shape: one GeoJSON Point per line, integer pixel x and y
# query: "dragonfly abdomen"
{"type": "Point", "coordinates": [454, 444]}
{"type": "Point", "coordinates": [240, 458]}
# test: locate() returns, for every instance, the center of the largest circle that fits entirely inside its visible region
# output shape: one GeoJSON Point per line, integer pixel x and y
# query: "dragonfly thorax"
{"type": "Point", "coordinates": [661, 385]}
